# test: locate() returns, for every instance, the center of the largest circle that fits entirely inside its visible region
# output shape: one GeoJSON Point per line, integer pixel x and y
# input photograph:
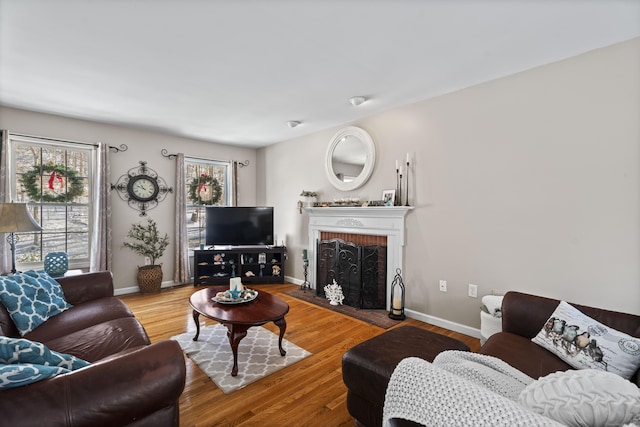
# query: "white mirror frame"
{"type": "Point", "coordinates": [369, 163]}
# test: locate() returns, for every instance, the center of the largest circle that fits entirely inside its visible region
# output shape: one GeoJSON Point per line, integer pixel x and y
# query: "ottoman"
{"type": "Point", "coordinates": [367, 367]}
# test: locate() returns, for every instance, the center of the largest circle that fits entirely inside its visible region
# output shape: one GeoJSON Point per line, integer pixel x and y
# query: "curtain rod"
{"type": "Point", "coordinates": [122, 147]}
{"type": "Point", "coordinates": [165, 153]}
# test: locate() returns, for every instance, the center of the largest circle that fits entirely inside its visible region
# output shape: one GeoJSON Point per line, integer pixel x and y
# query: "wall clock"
{"type": "Point", "coordinates": [142, 188]}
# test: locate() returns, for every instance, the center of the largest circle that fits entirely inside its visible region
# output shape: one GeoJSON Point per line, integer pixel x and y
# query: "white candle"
{"type": "Point", "coordinates": [396, 165]}
{"type": "Point", "coordinates": [408, 157]}
{"type": "Point", "coordinates": [397, 306]}
{"type": "Point", "coordinates": [400, 170]}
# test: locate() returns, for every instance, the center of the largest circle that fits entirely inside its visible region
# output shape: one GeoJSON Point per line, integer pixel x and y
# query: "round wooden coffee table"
{"type": "Point", "coordinates": [238, 318]}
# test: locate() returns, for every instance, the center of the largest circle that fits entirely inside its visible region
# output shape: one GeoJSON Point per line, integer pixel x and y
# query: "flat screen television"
{"type": "Point", "coordinates": [239, 226]}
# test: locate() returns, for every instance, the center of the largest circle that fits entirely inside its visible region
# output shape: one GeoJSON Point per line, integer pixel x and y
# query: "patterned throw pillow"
{"type": "Point", "coordinates": [585, 343]}
{"type": "Point", "coordinates": [31, 298]}
{"type": "Point", "coordinates": [20, 350]}
{"type": "Point", "coordinates": [23, 362]}
{"type": "Point", "coordinates": [586, 397]}
{"type": "Point", "coordinates": [25, 373]}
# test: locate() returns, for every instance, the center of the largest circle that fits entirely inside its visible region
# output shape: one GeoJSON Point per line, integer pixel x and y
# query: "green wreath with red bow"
{"type": "Point", "coordinates": [205, 190]}
{"type": "Point", "coordinates": [52, 183]}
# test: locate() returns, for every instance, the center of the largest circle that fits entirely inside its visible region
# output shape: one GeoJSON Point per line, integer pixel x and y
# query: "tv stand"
{"type": "Point", "coordinates": [261, 264]}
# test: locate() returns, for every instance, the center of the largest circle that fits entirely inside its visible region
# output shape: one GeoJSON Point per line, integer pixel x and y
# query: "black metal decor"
{"type": "Point", "coordinates": [397, 297]}
{"type": "Point", "coordinates": [125, 188]}
{"type": "Point", "coordinates": [407, 189]}
{"type": "Point", "coordinates": [305, 263]}
{"type": "Point", "coordinates": [359, 270]}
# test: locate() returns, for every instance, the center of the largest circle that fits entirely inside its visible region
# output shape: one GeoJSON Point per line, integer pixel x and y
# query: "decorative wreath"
{"type": "Point", "coordinates": [205, 190]}
{"type": "Point", "coordinates": [63, 183]}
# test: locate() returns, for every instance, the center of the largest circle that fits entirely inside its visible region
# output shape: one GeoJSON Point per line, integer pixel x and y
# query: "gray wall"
{"type": "Point", "coordinates": [529, 182]}
{"type": "Point", "coordinates": [143, 145]}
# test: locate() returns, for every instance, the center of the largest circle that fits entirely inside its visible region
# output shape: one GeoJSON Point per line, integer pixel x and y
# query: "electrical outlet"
{"type": "Point", "coordinates": [443, 286]}
{"type": "Point", "coordinates": [147, 260]}
{"type": "Point", "coordinates": [473, 291]}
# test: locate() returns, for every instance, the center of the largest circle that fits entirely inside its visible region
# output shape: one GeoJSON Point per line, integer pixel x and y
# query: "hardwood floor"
{"type": "Point", "coordinates": [308, 393]}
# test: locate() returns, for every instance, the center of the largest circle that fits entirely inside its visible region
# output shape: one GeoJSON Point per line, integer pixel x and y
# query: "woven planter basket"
{"type": "Point", "coordinates": [150, 278]}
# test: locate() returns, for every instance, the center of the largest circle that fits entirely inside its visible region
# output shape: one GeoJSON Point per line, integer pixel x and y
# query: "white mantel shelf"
{"type": "Point", "coordinates": [386, 221]}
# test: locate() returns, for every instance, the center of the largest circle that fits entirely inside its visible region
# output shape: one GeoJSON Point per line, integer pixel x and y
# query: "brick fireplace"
{"type": "Point", "coordinates": [384, 226]}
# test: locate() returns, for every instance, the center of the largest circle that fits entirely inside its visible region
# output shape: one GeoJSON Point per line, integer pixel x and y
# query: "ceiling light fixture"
{"type": "Point", "coordinates": [293, 123]}
{"type": "Point", "coordinates": [357, 100]}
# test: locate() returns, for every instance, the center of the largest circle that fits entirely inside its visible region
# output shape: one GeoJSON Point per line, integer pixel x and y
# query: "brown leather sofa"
{"type": "Point", "coordinates": [523, 316]}
{"type": "Point", "coordinates": [130, 381]}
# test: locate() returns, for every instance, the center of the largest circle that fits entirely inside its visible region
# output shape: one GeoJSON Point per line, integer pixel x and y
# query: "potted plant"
{"type": "Point", "coordinates": [146, 241]}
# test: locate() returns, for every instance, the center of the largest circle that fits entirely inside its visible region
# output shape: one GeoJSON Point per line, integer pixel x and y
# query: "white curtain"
{"type": "Point", "coordinates": [101, 254]}
{"type": "Point", "coordinates": [5, 252]}
{"type": "Point", "coordinates": [182, 273]}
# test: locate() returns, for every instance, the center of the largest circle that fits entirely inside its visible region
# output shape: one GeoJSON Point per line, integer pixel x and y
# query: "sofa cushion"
{"type": "Point", "coordinates": [80, 317]}
{"type": "Point", "coordinates": [523, 354]}
{"type": "Point", "coordinates": [586, 343]}
{"type": "Point", "coordinates": [23, 362]}
{"type": "Point", "coordinates": [585, 397]}
{"type": "Point", "coordinates": [31, 298]}
{"type": "Point", "coordinates": [99, 341]}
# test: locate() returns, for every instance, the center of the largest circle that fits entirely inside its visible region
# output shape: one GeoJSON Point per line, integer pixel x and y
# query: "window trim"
{"type": "Point", "coordinates": [228, 188]}
{"type": "Point", "coordinates": [91, 150]}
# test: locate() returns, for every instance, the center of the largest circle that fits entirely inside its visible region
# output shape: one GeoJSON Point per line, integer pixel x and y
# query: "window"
{"type": "Point", "coordinates": [208, 183]}
{"type": "Point", "coordinates": [54, 178]}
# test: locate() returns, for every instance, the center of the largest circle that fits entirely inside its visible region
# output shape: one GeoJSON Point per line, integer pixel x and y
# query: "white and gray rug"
{"type": "Point", "coordinates": [258, 355]}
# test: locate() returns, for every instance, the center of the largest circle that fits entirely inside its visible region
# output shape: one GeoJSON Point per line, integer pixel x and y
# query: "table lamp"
{"type": "Point", "coordinates": [14, 218]}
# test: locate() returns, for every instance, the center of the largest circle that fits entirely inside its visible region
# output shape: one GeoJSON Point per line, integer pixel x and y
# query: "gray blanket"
{"type": "Point", "coordinates": [459, 389]}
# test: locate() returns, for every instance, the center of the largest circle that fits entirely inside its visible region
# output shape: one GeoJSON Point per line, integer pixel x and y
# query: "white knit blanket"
{"type": "Point", "coordinates": [459, 389]}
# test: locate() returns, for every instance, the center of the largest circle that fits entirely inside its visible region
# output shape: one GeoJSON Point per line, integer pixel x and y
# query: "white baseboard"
{"type": "Point", "coordinates": [289, 279]}
{"type": "Point", "coordinates": [136, 289]}
{"type": "Point", "coordinates": [447, 324]}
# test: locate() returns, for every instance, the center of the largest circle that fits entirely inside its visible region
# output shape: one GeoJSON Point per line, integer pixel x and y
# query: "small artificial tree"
{"type": "Point", "coordinates": [147, 241]}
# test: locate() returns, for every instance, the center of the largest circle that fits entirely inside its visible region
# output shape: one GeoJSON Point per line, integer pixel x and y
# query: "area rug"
{"type": "Point", "coordinates": [378, 318]}
{"type": "Point", "coordinates": [258, 355]}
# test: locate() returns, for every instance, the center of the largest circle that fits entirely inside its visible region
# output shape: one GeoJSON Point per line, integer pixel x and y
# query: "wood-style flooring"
{"type": "Point", "coordinates": [308, 393]}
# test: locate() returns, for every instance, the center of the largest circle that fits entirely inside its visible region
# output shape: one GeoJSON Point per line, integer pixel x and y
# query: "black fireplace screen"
{"type": "Point", "coordinates": [359, 270]}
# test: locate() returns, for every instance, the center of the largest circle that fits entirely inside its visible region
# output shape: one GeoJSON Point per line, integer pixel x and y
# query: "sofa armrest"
{"type": "Point", "coordinates": [86, 287]}
{"type": "Point", "coordinates": [113, 392]}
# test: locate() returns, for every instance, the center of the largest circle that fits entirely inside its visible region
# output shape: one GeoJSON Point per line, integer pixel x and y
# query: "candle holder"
{"type": "Point", "coordinates": [397, 297]}
{"type": "Point", "coordinates": [400, 191]}
{"type": "Point", "coordinates": [305, 264]}
{"type": "Point", "coordinates": [407, 190]}
{"type": "Point", "coordinates": [396, 199]}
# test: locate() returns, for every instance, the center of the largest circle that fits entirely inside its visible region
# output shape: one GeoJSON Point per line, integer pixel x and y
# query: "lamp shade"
{"type": "Point", "coordinates": [15, 217]}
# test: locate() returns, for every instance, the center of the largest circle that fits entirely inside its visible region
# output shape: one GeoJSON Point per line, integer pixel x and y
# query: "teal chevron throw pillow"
{"type": "Point", "coordinates": [31, 298]}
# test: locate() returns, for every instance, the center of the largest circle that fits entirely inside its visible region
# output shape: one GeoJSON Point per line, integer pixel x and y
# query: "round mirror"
{"type": "Point", "coordinates": [350, 158]}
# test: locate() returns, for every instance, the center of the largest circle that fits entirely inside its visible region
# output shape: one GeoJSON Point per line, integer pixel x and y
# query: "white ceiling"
{"type": "Point", "coordinates": [236, 71]}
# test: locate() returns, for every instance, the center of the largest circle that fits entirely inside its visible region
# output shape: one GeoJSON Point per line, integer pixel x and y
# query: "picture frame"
{"type": "Point", "coordinates": [389, 197]}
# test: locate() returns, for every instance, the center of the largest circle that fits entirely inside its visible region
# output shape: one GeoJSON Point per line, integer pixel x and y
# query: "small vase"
{"type": "Point", "coordinates": [308, 202]}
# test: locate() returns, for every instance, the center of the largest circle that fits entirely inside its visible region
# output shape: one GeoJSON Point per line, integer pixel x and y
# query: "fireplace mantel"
{"type": "Point", "coordinates": [386, 221]}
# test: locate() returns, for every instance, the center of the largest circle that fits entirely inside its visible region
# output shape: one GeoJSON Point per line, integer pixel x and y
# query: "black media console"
{"type": "Point", "coordinates": [254, 264]}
